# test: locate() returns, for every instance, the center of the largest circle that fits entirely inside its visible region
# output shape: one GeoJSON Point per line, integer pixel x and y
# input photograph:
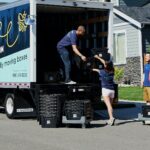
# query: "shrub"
{"type": "Point", "coordinates": [119, 73]}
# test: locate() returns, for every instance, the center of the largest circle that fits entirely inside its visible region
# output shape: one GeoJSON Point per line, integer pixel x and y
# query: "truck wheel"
{"type": "Point", "coordinates": [10, 106]}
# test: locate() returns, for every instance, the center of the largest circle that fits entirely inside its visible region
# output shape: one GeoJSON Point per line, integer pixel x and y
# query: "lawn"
{"type": "Point", "coordinates": [131, 93]}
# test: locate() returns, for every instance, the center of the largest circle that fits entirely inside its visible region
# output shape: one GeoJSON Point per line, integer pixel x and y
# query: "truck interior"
{"type": "Point", "coordinates": [53, 22]}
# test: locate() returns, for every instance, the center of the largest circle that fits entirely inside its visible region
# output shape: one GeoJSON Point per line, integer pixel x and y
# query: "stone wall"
{"type": "Point", "coordinates": [132, 71]}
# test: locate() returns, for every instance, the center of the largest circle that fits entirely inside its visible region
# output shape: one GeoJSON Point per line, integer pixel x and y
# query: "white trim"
{"type": "Point", "coordinates": [110, 32]}
{"type": "Point", "coordinates": [13, 4]}
{"type": "Point", "coordinates": [128, 18]}
{"type": "Point", "coordinates": [115, 2]}
{"type": "Point", "coordinates": [85, 4]}
{"type": "Point", "coordinates": [33, 43]}
{"type": "Point", "coordinates": [119, 31]}
{"type": "Point", "coordinates": [122, 31]}
{"type": "Point", "coordinates": [25, 85]}
{"type": "Point", "coordinates": [140, 51]}
{"type": "Point", "coordinates": [121, 24]}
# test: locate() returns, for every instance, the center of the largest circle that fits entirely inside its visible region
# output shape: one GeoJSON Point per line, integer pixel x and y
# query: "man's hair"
{"type": "Point", "coordinates": [81, 28]}
{"type": "Point", "coordinates": [147, 53]}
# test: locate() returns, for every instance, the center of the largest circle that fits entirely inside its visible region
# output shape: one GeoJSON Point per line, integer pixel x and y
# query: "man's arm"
{"type": "Point", "coordinates": [77, 52]}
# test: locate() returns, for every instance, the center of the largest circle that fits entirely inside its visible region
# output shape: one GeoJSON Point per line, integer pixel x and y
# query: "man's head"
{"type": "Point", "coordinates": [80, 31]}
{"type": "Point", "coordinates": [147, 57]}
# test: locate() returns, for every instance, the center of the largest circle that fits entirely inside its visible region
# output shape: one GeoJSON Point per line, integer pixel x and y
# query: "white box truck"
{"type": "Point", "coordinates": [29, 32]}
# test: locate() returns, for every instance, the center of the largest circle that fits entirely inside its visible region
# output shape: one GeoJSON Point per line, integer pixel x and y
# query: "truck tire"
{"type": "Point", "coordinates": [9, 106]}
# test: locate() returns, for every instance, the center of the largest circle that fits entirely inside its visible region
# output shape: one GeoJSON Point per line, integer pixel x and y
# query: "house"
{"type": "Point", "coordinates": [131, 38]}
{"type": "Point", "coordinates": [129, 3]}
{"type": "Point", "coordinates": [1, 3]}
{"type": "Point", "coordinates": [131, 32]}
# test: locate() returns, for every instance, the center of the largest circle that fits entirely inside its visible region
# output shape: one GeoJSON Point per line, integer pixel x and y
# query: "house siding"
{"type": "Point", "coordinates": [117, 19]}
{"type": "Point", "coordinates": [132, 38]}
{"type": "Point", "coordinates": [132, 68]}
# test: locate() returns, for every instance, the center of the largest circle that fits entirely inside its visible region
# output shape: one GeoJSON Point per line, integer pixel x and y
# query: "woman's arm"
{"type": "Point", "coordinates": [96, 70]}
{"type": "Point", "coordinates": [100, 59]}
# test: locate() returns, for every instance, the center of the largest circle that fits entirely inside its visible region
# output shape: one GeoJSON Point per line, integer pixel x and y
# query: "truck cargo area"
{"type": "Point", "coordinates": [53, 22]}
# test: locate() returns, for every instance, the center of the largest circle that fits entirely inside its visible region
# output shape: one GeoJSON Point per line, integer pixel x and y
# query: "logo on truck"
{"type": "Point", "coordinates": [15, 44]}
{"type": "Point", "coordinates": [22, 27]}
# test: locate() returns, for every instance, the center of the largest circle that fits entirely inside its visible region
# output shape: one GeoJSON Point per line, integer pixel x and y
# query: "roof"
{"type": "Point", "coordinates": [1, 3]}
{"type": "Point", "coordinates": [146, 2]}
{"type": "Point", "coordinates": [147, 5]}
{"type": "Point", "coordinates": [134, 3]}
{"type": "Point", "coordinates": [135, 15]}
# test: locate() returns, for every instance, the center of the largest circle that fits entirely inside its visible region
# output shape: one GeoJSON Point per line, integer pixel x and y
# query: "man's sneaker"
{"type": "Point", "coordinates": [111, 122]}
{"type": "Point", "coordinates": [71, 82]}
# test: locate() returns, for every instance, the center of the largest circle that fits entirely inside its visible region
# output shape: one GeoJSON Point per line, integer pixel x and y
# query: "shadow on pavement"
{"type": "Point", "coordinates": [127, 113]}
{"type": "Point", "coordinates": [124, 112]}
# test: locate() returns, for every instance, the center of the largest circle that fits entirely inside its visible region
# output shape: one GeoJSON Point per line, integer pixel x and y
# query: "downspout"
{"type": "Point", "coordinates": [33, 42]}
{"type": "Point", "coordinates": [141, 49]}
{"type": "Point", "coordinates": [110, 31]}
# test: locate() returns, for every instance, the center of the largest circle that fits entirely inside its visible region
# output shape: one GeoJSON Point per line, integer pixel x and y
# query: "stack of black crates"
{"type": "Point", "coordinates": [50, 107]}
{"type": "Point", "coordinates": [50, 110]}
{"type": "Point", "coordinates": [77, 106]}
{"type": "Point", "coordinates": [64, 104]}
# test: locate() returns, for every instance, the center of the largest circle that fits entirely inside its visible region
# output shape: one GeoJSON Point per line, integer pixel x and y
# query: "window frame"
{"type": "Point", "coordinates": [117, 32]}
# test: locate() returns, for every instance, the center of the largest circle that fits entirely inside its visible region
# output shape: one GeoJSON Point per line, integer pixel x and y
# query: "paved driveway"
{"type": "Point", "coordinates": [128, 134]}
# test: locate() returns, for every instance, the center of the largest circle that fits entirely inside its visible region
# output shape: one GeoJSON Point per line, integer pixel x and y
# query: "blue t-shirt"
{"type": "Point", "coordinates": [147, 75]}
{"type": "Point", "coordinates": [107, 79]}
{"type": "Point", "coordinates": [69, 39]}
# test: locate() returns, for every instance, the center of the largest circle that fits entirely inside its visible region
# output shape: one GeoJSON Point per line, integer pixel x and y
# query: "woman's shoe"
{"type": "Point", "coordinates": [111, 122]}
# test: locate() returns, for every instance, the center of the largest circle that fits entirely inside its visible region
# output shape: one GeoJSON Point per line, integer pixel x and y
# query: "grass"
{"type": "Point", "coordinates": [131, 93]}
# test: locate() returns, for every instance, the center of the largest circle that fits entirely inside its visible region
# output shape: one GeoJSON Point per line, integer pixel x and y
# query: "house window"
{"type": "Point", "coordinates": [119, 50]}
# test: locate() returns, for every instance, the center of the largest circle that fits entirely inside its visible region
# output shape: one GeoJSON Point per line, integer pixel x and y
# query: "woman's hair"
{"type": "Point", "coordinates": [109, 66]}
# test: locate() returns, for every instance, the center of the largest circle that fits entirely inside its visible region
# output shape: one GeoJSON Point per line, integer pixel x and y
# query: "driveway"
{"type": "Point", "coordinates": [127, 134]}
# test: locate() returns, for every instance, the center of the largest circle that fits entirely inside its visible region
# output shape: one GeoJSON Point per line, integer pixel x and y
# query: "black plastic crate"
{"type": "Point", "coordinates": [146, 111]}
{"type": "Point", "coordinates": [50, 109]}
{"type": "Point", "coordinates": [48, 122]}
{"type": "Point", "coordinates": [75, 109]}
{"type": "Point", "coordinates": [79, 92]}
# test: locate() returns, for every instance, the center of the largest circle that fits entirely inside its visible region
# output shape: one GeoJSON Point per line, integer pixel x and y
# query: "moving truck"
{"type": "Point", "coordinates": [29, 62]}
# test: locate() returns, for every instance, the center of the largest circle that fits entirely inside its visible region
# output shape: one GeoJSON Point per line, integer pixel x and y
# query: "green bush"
{"type": "Point", "coordinates": [119, 73]}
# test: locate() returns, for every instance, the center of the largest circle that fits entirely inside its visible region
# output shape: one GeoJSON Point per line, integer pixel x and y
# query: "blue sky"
{"type": "Point", "coordinates": [7, 0]}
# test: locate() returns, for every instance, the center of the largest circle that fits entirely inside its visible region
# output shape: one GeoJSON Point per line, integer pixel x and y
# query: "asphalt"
{"type": "Point", "coordinates": [128, 134]}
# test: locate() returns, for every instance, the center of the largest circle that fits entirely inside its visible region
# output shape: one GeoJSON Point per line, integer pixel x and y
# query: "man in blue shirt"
{"type": "Point", "coordinates": [146, 82]}
{"type": "Point", "coordinates": [70, 39]}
